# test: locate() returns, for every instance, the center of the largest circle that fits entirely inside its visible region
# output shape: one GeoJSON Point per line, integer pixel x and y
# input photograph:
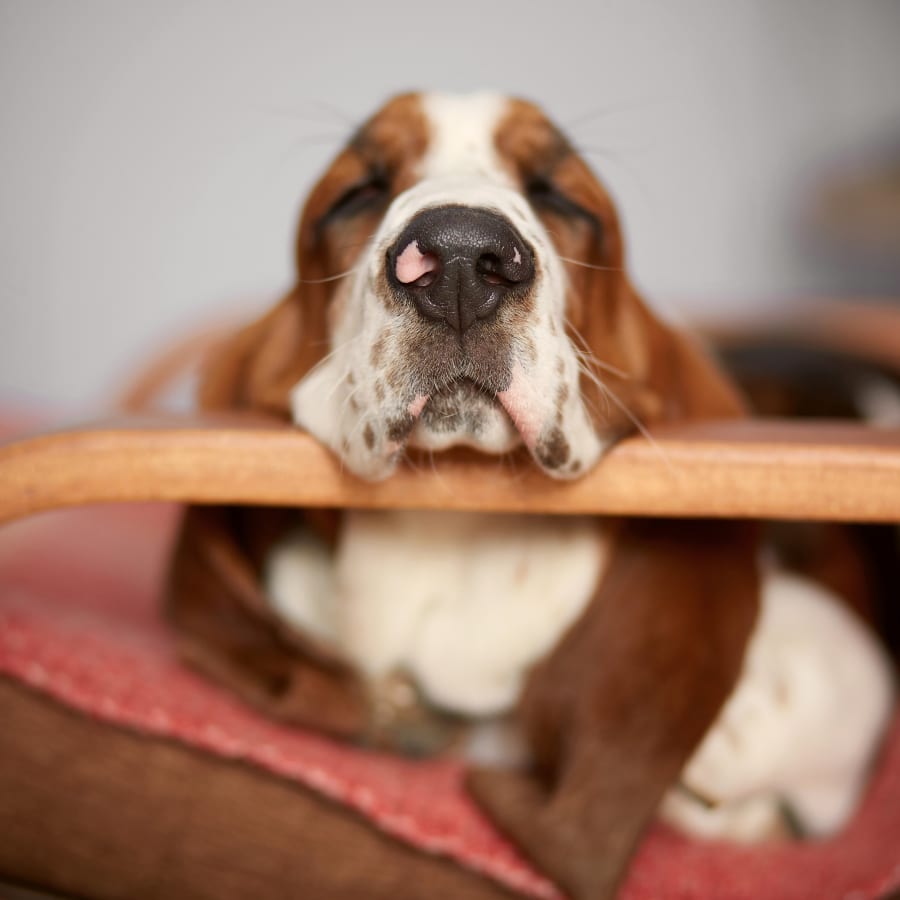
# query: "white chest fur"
{"type": "Point", "coordinates": [465, 603]}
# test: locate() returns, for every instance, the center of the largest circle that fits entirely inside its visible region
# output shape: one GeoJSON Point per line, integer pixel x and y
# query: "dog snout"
{"type": "Point", "coordinates": [458, 264]}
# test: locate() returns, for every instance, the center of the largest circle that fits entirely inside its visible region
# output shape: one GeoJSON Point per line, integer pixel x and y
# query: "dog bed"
{"type": "Point", "coordinates": [87, 663]}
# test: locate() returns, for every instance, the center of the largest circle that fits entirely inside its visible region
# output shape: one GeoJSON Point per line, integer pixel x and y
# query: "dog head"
{"type": "Point", "coordinates": [461, 282]}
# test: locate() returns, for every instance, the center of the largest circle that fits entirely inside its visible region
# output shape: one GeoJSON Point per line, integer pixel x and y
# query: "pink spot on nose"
{"type": "Point", "coordinates": [412, 264]}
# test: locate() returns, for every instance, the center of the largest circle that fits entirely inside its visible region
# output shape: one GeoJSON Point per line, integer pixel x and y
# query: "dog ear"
{"type": "Point", "coordinates": [649, 367]}
{"type": "Point", "coordinates": [616, 710]}
{"type": "Point", "coordinates": [226, 628]}
{"type": "Point", "coordinates": [215, 600]}
{"type": "Point", "coordinates": [256, 367]}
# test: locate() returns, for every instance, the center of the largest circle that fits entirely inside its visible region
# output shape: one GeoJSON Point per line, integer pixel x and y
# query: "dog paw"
{"type": "Point", "coordinates": [806, 715]}
{"type": "Point", "coordinates": [753, 741]}
{"type": "Point", "coordinates": [749, 821]}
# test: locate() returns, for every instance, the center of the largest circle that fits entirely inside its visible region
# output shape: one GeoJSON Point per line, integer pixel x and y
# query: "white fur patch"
{"type": "Point", "coordinates": [462, 136]}
{"type": "Point", "coordinates": [299, 581]}
{"type": "Point", "coordinates": [465, 603]}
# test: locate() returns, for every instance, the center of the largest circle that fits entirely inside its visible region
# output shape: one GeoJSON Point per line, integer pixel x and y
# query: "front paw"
{"type": "Point", "coordinates": [749, 747]}
{"type": "Point", "coordinates": [749, 821]}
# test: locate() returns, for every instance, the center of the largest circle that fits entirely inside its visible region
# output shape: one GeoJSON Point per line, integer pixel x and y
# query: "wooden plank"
{"type": "Point", "coordinates": [757, 469]}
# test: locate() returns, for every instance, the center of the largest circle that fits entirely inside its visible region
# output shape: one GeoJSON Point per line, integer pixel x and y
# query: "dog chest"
{"type": "Point", "coordinates": [465, 603]}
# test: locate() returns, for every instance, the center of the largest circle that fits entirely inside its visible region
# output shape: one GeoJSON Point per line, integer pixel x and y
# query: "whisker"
{"type": "Point", "coordinates": [578, 262]}
{"type": "Point", "coordinates": [642, 428]}
{"type": "Point", "coordinates": [306, 141]}
{"type": "Point", "coordinates": [586, 362]}
{"type": "Point", "coordinates": [604, 112]}
{"type": "Point", "coordinates": [610, 394]}
{"type": "Point", "coordinates": [330, 355]}
{"type": "Point", "coordinates": [622, 158]}
{"type": "Point", "coordinates": [589, 357]}
{"type": "Point", "coordinates": [437, 472]}
{"type": "Point", "coordinates": [587, 354]}
{"type": "Point", "coordinates": [337, 277]}
{"type": "Point", "coordinates": [408, 461]}
{"type": "Point", "coordinates": [335, 112]}
{"type": "Point", "coordinates": [511, 459]}
{"type": "Point", "coordinates": [594, 379]}
{"type": "Point", "coordinates": [354, 244]}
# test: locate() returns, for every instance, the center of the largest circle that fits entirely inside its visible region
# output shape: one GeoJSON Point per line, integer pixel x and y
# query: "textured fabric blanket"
{"type": "Point", "coordinates": [79, 622]}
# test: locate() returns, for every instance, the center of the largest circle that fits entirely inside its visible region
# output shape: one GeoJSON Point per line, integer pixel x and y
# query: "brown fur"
{"type": "Point", "coordinates": [617, 708]}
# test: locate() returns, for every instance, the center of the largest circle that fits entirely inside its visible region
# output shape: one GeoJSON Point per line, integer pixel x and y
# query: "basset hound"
{"type": "Point", "coordinates": [461, 289]}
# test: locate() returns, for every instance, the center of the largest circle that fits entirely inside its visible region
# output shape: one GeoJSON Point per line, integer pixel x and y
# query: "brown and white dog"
{"type": "Point", "coordinates": [461, 284]}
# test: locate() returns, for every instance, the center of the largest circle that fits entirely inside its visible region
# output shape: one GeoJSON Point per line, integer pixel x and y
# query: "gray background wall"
{"type": "Point", "coordinates": [153, 155]}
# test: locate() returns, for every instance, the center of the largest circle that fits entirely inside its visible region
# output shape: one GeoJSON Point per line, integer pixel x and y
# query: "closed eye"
{"type": "Point", "coordinates": [369, 193]}
{"type": "Point", "coordinates": [545, 196]}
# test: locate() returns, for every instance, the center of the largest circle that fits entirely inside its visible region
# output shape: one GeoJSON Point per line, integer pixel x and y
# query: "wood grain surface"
{"type": "Point", "coordinates": [756, 469]}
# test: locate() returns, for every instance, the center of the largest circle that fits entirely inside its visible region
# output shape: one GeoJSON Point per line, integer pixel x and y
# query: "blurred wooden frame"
{"type": "Point", "coordinates": [755, 469]}
{"type": "Point", "coordinates": [751, 469]}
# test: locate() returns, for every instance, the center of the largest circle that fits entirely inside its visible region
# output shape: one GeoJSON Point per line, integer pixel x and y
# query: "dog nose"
{"type": "Point", "coordinates": [458, 263]}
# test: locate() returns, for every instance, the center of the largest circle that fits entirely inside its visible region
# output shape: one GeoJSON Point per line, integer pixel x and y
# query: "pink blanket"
{"type": "Point", "coordinates": [79, 594]}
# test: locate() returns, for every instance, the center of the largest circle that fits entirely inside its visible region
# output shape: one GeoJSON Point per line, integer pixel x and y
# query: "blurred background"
{"type": "Point", "coordinates": [154, 156]}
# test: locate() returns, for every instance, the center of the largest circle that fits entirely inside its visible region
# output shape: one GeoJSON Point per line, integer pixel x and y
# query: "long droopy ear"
{"type": "Point", "coordinates": [226, 628]}
{"type": "Point", "coordinates": [256, 367]}
{"type": "Point", "coordinates": [215, 598]}
{"type": "Point", "coordinates": [616, 710]}
{"type": "Point", "coordinates": [668, 375]}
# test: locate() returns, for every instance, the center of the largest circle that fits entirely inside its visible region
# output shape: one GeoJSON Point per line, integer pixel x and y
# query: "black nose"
{"type": "Point", "coordinates": [457, 263]}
